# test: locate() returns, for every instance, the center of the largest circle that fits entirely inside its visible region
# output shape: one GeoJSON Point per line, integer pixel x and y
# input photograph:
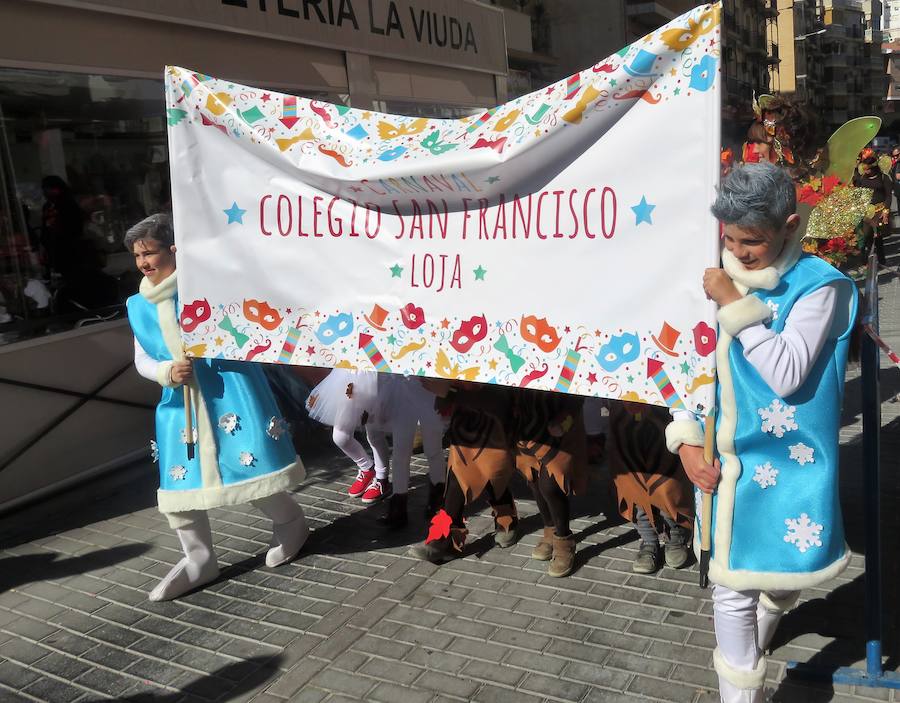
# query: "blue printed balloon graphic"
{"type": "Point", "coordinates": [703, 74]}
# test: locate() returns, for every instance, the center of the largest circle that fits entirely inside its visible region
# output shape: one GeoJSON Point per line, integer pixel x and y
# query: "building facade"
{"type": "Point", "coordinates": [83, 155]}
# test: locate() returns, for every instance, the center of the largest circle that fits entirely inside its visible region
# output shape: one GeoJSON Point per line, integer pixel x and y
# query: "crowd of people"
{"type": "Point", "coordinates": [776, 524]}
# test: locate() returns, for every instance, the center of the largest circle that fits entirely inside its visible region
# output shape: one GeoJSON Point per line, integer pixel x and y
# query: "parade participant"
{"type": "Point", "coordinates": [480, 462]}
{"type": "Point", "coordinates": [869, 175]}
{"type": "Point", "coordinates": [551, 453]}
{"type": "Point", "coordinates": [412, 406]}
{"type": "Point", "coordinates": [243, 450]}
{"type": "Point", "coordinates": [652, 490]}
{"type": "Point", "coordinates": [785, 321]}
{"type": "Point", "coordinates": [347, 400]}
{"type": "Point", "coordinates": [494, 431]}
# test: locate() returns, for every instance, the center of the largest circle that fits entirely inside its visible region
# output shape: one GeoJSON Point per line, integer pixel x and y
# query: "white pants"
{"type": "Point", "coordinates": [745, 622]}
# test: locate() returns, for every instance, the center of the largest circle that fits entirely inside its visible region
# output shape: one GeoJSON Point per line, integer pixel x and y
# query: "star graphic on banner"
{"type": "Point", "coordinates": [597, 333]}
{"type": "Point", "coordinates": [677, 91]}
{"type": "Point", "coordinates": [391, 339]}
{"type": "Point", "coordinates": [235, 214]}
{"type": "Point", "coordinates": [550, 90]}
{"type": "Point", "coordinates": [396, 270]}
{"type": "Point", "coordinates": [673, 72]}
{"type": "Point", "coordinates": [310, 350]}
{"type": "Point", "coordinates": [567, 329]}
{"type": "Point", "coordinates": [629, 378]}
{"type": "Point", "coordinates": [366, 115]}
{"type": "Point", "coordinates": [592, 377]}
{"type": "Point", "coordinates": [479, 272]}
{"type": "Point", "coordinates": [433, 334]}
{"type": "Point", "coordinates": [445, 323]}
{"type": "Point", "coordinates": [428, 363]}
{"type": "Point", "coordinates": [266, 97]}
{"type": "Point", "coordinates": [537, 132]}
{"type": "Point", "coordinates": [218, 341]}
{"type": "Point", "coordinates": [642, 212]}
{"type": "Point", "coordinates": [493, 179]}
{"type": "Point", "coordinates": [685, 367]}
{"type": "Point", "coordinates": [492, 364]}
{"type": "Point", "coordinates": [613, 82]}
{"type": "Point", "coordinates": [344, 350]}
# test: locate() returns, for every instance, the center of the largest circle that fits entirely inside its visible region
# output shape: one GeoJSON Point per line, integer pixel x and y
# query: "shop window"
{"type": "Point", "coordinates": [82, 158]}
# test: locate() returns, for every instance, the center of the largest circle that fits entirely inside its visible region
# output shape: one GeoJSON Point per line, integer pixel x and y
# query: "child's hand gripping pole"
{"type": "Point", "coordinates": [709, 444]}
{"type": "Point", "coordinates": [188, 417]}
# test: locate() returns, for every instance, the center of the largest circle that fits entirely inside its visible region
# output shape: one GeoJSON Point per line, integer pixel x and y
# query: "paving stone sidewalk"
{"type": "Point", "coordinates": [356, 619]}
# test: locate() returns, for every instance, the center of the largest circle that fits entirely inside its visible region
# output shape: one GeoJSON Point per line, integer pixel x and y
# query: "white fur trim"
{"type": "Point", "coordinates": [164, 374]}
{"type": "Point", "coordinates": [742, 313]}
{"type": "Point", "coordinates": [233, 494]}
{"type": "Point", "coordinates": [680, 432]}
{"type": "Point", "coordinates": [731, 465]}
{"type": "Point", "coordinates": [767, 278]}
{"type": "Point", "coordinates": [779, 605]}
{"type": "Point", "coordinates": [774, 580]}
{"type": "Point", "coordinates": [741, 678]}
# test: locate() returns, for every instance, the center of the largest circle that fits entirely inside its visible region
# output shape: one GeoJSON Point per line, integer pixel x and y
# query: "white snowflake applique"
{"type": "Point", "coordinates": [802, 454]}
{"type": "Point", "coordinates": [247, 459]}
{"type": "Point", "coordinates": [778, 418]}
{"type": "Point", "coordinates": [773, 306]}
{"type": "Point", "coordinates": [277, 427]}
{"type": "Point", "coordinates": [178, 473]}
{"type": "Point", "coordinates": [803, 533]}
{"type": "Point", "coordinates": [154, 451]}
{"type": "Point", "coordinates": [765, 475]}
{"type": "Point", "coordinates": [184, 435]}
{"type": "Point", "coordinates": [230, 423]}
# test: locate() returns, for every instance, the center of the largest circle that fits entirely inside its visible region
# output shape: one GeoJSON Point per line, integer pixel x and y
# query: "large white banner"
{"type": "Point", "coordinates": [555, 242]}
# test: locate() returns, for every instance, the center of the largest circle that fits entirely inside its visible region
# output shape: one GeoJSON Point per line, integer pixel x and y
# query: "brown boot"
{"type": "Point", "coordinates": [563, 556]}
{"type": "Point", "coordinates": [543, 550]}
{"type": "Point", "coordinates": [440, 551]}
{"type": "Point", "coordinates": [506, 525]}
{"type": "Point", "coordinates": [435, 500]}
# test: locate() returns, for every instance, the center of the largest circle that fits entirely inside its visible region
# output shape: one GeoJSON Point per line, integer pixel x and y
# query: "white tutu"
{"type": "Point", "coordinates": [350, 399]}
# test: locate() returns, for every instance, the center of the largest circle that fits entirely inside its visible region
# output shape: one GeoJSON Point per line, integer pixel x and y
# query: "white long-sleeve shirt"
{"type": "Point", "coordinates": [146, 365]}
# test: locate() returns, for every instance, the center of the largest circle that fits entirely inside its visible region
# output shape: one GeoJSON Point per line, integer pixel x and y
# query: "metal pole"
{"type": "Point", "coordinates": [871, 420]}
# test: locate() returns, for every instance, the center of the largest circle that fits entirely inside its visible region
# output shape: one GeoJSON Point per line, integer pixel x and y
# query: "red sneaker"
{"type": "Point", "coordinates": [378, 489]}
{"type": "Point", "coordinates": [364, 477]}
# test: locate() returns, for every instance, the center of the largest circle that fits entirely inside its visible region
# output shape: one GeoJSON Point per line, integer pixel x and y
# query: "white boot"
{"type": "Point", "coordinates": [198, 567]}
{"type": "Point", "coordinates": [289, 528]}
{"type": "Point", "coordinates": [771, 608]}
{"type": "Point", "coordinates": [738, 685]}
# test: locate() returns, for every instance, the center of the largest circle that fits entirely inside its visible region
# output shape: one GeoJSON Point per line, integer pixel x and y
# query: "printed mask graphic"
{"type": "Point", "coordinates": [193, 314]}
{"type": "Point", "coordinates": [335, 327]}
{"type": "Point", "coordinates": [539, 332]}
{"type": "Point", "coordinates": [471, 331]}
{"type": "Point", "coordinates": [262, 314]}
{"type": "Point", "coordinates": [618, 350]}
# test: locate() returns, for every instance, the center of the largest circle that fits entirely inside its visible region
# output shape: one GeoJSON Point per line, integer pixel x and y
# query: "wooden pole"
{"type": "Point", "coordinates": [709, 444]}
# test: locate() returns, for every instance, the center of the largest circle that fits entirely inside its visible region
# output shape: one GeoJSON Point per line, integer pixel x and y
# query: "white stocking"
{"type": "Point", "coordinates": [199, 564]}
{"type": "Point", "coordinates": [738, 660]}
{"type": "Point", "coordinates": [289, 528]}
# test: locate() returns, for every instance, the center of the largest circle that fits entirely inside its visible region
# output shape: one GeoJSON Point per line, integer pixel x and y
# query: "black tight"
{"type": "Point", "coordinates": [552, 502]}
{"type": "Point", "coordinates": [455, 499]}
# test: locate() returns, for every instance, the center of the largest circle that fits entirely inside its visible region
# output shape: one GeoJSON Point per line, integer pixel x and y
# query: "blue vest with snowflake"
{"type": "Point", "coordinates": [786, 517]}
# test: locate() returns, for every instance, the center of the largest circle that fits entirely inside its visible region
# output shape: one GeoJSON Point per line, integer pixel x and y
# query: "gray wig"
{"type": "Point", "coordinates": [757, 197]}
{"type": "Point", "coordinates": [158, 227]}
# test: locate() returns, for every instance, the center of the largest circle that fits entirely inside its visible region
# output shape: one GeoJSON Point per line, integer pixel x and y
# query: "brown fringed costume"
{"type": "Point", "coordinates": [645, 474]}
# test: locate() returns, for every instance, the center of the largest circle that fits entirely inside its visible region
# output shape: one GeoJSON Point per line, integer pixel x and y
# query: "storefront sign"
{"type": "Point", "coordinates": [459, 33]}
{"type": "Point", "coordinates": [556, 242]}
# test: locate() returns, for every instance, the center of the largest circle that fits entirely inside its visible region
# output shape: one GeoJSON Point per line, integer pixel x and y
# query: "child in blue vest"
{"type": "Point", "coordinates": [784, 324]}
{"type": "Point", "coordinates": [243, 449]}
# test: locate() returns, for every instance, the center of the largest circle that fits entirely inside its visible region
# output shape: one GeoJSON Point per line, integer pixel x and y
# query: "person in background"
{"type": "Point", "coordinates": [869, 175]}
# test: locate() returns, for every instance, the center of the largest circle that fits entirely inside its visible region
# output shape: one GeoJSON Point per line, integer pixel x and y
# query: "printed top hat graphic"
{"type": "Point", "coordinates": [642, 65]}
{"type": "Point", "coordinates": [377, 317]}
{"type": "Point", "coordinates": [668, 337]}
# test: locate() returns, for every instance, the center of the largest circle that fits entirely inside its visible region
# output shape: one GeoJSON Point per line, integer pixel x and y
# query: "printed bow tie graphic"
{"type": "Point", "coordinates": [239, 338]}
{"type": "Point", "coordinates": [515, 361]}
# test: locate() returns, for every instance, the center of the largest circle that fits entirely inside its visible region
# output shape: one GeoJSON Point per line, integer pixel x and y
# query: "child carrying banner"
{"type": "Point", "coordinates": [785, 320]}
{"type": "Point", "coordinates": [243, 449]}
